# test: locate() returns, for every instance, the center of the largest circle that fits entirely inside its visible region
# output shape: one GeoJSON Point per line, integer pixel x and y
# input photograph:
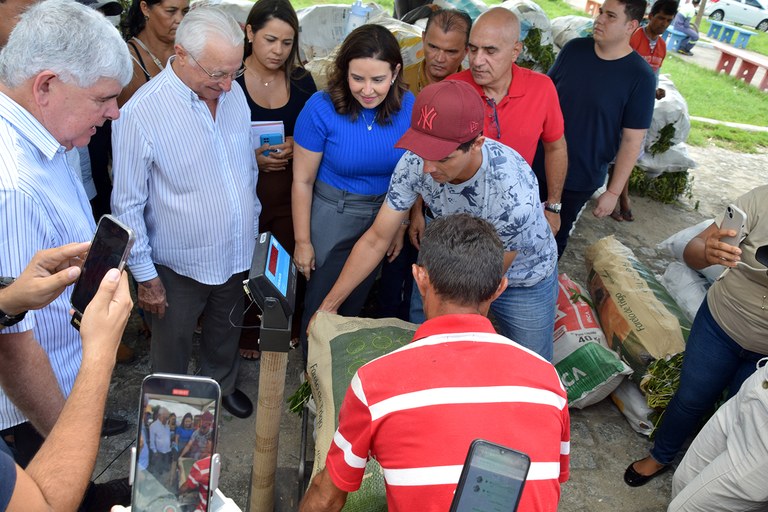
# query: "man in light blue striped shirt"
{"type": "Point", "coordinates": [60, 75]}
{"type": "Point", "coordinates": [185, 181]}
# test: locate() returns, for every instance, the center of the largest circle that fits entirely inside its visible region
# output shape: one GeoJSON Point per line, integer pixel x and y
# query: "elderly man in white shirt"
{"type": "Point", "coordinates": [185, 180]}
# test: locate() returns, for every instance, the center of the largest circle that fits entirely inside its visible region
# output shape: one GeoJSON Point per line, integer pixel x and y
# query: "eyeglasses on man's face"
{"type": "Point", "coordinates": [219, 75]}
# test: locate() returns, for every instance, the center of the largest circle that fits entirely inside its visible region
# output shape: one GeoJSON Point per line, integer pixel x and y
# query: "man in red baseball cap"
{"type": "Point", "coordinates": [457, 170]}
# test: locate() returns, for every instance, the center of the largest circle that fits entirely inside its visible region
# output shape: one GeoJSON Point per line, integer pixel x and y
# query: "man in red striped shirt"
{"type": "Point", "coordinates": [417, 409]}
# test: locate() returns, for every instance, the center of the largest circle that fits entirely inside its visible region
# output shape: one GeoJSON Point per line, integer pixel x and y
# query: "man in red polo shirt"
{"type": "Point", "coordinates": [416, 410]}
{"type": "Point", "coordinates": [521, 105]}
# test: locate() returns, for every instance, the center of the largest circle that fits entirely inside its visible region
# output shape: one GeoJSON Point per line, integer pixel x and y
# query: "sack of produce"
{"type": "Point", "coordinates": [338, 346]}
{"type": "Point", "coordinates": [640, 319]}
{"type": "Point", "coordinates": [535, 33]}
{"type": "Point", "coordinates": [570, 27]}
{"type": "Point", "coordinates": [472, 7]}
{"type": "Point", "coordinates": [588, 369]}
{"type": "Point", "coordinates": [633, 406]}
{"type": "Point", "coordinates": [323, 28]}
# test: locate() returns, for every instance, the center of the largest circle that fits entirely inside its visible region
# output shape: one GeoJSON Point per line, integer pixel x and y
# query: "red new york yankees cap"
{"type": "Point", "coordinates": [445, 115]}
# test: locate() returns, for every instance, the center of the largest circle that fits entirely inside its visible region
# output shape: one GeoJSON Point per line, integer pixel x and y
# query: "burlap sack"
{"type": "Point", "coordinates": [640, 319]}
{"type": "Point", "coordinates": [338, 346]}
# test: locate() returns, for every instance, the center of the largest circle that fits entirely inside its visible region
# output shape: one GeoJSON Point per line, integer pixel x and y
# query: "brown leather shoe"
{"type": "Point", "coordinates": [125, 354]}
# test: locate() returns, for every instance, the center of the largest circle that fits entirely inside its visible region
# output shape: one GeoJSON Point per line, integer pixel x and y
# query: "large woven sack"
{"type": "Point", "coordinates": [640, 319]}
{"type": "Point", "coordinates": [338, 346]}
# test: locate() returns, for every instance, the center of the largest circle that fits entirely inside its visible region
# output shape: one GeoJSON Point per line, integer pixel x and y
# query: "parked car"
{"type": "Point", "coordinates": [753, 13]}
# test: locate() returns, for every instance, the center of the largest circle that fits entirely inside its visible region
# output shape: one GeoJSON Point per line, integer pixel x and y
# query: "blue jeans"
{"type": "Point", "coordinates": [524, 314]}
{"type": "Point", "coordinates": [712, 362]}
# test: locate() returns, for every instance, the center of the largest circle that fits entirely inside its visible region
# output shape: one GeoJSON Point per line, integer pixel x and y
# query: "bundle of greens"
{"type": "Point", "coordinates": [297, 400]}
{"type": "Point", "coordinates": [660, 383]}
{"type": "Point", "coordinates": [666, 188]}
{"type": "Point", "coordinates": [542, 56]}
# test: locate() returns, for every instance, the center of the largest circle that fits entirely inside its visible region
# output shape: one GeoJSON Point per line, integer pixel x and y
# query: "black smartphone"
{"type": "Point", "coordinates": [109, 249]}
{"type": "Point", "coordinates": [492, 479]}
{"type": "Point", "coordinates": [176, 443]}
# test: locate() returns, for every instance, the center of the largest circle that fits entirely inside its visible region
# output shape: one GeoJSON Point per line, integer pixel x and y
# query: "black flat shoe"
{"type": "Point", "coordinates": [238, 404]}
{"type": "Point", "coordinates": [634, 479]}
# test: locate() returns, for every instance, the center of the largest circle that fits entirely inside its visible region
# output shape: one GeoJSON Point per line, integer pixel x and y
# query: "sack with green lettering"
{"type": "Point", "coordinates": [338, 346]}
{"type": "Point", "coordinates": [588, 369]}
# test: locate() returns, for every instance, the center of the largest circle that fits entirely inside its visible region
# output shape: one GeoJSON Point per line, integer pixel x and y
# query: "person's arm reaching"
{"type": "Point", "coordinates": [57, 477]}
{"type": "Point", "coordinates": [305, 166]}
{"type": "Point", "coordinates": [323, 495]}
{"type": "Point", "coordinates": [555, 168]}
{"type": "Point", "coordinates": [365, 256]}
{"type": "Point", "coordinates": [26, 374]}
{"type": "Point", "coordinates": [626, 157]}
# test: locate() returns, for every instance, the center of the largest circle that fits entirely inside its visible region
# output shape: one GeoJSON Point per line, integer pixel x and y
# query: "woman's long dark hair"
{"type": "Point", "coordinates": [374, 42]}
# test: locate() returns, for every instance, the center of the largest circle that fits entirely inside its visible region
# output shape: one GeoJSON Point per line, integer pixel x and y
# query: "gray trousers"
{"type": "Point", "coordinates": [337, 222]}
{"type": "Point", "coordinates": [172, 335]}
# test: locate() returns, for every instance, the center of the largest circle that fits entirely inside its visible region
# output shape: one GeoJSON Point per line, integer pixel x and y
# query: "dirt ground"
{"type": "Point", "coordinates": [602, 441]}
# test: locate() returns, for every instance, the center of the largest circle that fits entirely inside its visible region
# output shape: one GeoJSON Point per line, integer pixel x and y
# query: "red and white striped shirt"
{"type": "Point", "coordinates": [199, 478]}
{"type": "Point", "coordinates": [417, 409]}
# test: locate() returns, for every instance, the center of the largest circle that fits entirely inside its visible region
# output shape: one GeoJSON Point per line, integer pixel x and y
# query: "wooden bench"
{"type": "Point", "coordinates": [750, 63]}
{"type": "Point", "coordinates": [673, 38]}
{"type": "Point", "coordinates": [592, 8]}
{"type": "Point", "coordinates": [724, 32]}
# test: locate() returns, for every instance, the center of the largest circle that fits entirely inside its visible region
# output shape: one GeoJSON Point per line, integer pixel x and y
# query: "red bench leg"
{"type": "Point", "coordinates": [725, 63]}
{"type": "Point", "coordinates": [746, 71]}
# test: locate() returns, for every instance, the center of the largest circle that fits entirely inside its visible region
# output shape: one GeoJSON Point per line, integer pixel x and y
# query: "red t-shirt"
{"type": "Point", "coordinates": [417, 409]}
{"type": "Point", "coordinates": [528, 113]}
{"type": "Point", "coordinates": [642, 45]}
{"type": "Point", "coordinates": [199, 477]}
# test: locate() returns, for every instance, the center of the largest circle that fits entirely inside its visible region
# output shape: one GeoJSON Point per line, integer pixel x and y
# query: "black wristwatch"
{"type": "Point", "coordinates": [7, 320]}
{"type": "Point", "coordinates": [553, 207]}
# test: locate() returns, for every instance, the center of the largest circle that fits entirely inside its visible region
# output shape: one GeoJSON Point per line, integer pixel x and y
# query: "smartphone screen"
{"type": "Point", "coordinates": [492, 479]}
{"type": "Point", "coordinates": [109, 249]}
{"type": "Point", "coordinates": [178, 420]}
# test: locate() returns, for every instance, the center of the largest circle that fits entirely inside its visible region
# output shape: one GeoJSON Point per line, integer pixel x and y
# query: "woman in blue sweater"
{"type": "Point", "coordinates": [344, 156]}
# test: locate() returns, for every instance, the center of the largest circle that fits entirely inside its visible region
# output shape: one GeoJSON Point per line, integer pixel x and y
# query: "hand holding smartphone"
{"type": "Point", "coordinates": [176, 472]}
{"type": "Point", "coordinates": [492, 479]}
{"type": "Point", "coordinates": [109, 249]}
{"type": "Point", "coordinates": [273, 139]}
{"type": "Point", "coordinates": [734, 219]}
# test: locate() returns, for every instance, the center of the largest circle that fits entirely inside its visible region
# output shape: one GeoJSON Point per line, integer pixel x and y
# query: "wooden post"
{"type": "Point", "coordinates": [272, 369]}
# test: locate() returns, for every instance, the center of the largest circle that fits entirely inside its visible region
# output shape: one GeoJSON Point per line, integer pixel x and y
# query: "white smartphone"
{"type": "Point", "coordinates": [109, 249]}
{"type": "Point", "coordinates": [736, 220]}
{"type": "Point", "coordinates": [176, 461]}
{"type": "Point", "coordinates": [492, 479]}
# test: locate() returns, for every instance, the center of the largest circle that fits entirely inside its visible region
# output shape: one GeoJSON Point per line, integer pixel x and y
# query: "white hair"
{"type": "Point", "coordinates": [203, 22]}
{"type": "Point", "coordinates": [74, 41]}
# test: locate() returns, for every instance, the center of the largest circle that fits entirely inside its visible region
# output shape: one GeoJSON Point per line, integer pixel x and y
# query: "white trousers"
{"type": "Point", "coordinates": [726, 467]}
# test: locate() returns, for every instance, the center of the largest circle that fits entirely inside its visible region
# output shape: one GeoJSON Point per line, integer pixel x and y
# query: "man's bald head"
{"type": "Point", "coordinates": [502, 22]}
{"type": "Point", "coordinates": [493, 47]}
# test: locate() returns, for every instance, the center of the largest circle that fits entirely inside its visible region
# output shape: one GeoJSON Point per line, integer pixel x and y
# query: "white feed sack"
{"type": "Point", "coordinates": [323, 28]}
{"type": "Point", "coordinates": [686, 286]}
{"type": "Point", "coordinates": [570, 27]}
{"type": "Point", "coordinates": [472, 7]}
